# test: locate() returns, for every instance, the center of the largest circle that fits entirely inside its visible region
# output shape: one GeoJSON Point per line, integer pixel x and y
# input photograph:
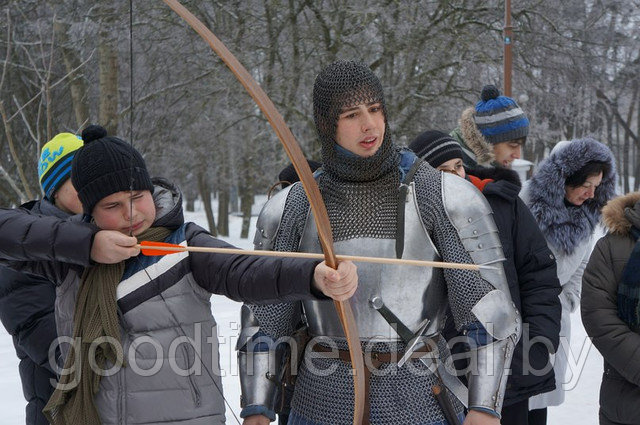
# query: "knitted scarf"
{"type": "Point", "coordinates": [629, 287]}
{"type": "Point", "coordinates": [96, 327]}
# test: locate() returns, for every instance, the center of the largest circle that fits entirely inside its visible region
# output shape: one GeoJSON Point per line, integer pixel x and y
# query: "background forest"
{"type": "Point", "coordinates": [140, 71]}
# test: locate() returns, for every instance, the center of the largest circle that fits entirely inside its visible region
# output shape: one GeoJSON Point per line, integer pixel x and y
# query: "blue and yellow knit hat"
{"type": "Point", "coordinates": [499, 118]}
{"type": "Point", "coordinates": [54, 166]}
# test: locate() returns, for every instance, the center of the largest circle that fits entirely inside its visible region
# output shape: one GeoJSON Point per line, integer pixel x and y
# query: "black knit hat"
{"type": "Point", "coordinates": [288, 175]}
{"type": "Point", "coordinates": [106, 165]}
{"type": "Point", "coordinates": [436, 147]}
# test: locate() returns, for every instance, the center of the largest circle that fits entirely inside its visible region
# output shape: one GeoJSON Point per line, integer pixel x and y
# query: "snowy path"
{"type": "Point", "coordinates": [581, 405]}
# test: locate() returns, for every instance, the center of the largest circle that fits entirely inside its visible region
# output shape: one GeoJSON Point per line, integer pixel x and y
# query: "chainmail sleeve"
{"type": "Point", "coordinates": [277, 320]}
{"type": "Point", "coordinates": [465, 287]}
{"type": "Point", "coordinates": [460, 221]}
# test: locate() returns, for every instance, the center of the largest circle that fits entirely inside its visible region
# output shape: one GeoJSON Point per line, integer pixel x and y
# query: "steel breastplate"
{"type": "Point", "coordinates": [413, 293]}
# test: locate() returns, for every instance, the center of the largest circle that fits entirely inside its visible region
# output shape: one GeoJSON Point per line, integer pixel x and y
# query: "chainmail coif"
{"type": "Point", "coordinates": [360, 193]}
{"type": "Point", "coordinates": [341, 85]}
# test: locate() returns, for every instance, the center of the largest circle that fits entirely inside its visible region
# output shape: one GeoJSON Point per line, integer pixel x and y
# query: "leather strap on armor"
{"type": "Point", "coordinates": [402, 199]}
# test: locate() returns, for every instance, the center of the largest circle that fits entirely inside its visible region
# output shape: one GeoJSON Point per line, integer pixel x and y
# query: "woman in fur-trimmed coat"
{"type": "Point", "coordinates": [565, 196]}
{"type": "Point", "coordinates": [609, 305]}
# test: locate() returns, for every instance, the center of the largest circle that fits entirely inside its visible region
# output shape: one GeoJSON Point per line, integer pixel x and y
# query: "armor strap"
{"type": "Point", "coordinates": [402, 199]}
{"type": "Point", "coordinates": [374, 362]}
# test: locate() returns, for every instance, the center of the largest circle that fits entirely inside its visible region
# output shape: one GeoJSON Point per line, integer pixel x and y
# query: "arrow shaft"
{"type": "Point", "coordinates": [310, 255]}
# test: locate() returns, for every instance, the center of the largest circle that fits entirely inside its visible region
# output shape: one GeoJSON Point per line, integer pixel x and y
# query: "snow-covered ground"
{"type": "Point", "coordinates": [581, 405]}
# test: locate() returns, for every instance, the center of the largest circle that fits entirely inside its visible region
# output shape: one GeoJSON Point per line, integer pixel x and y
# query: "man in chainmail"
{"type": "Point", "coordinates": [382, 201]}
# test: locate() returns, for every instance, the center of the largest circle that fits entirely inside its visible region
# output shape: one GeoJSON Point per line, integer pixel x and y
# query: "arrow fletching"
{"type": "Point", "coordinates": [160, 248]}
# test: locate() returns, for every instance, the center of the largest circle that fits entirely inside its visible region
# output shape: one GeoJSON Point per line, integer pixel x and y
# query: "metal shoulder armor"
{"type": "Point", "coordinates": [471, 215]}
{"type": "Point", "coordinates": [269, 220]}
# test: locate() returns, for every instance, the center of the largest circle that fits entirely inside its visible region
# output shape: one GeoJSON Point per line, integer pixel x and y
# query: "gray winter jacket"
{"type": "Point", "coordinates": [172, 373]}
{"type": "Point", "coordinates": [619, 345]}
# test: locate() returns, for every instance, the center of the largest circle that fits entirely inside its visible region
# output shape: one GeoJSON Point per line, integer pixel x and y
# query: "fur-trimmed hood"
{"type": "Point", "coordinates": [621, 213]}
{"type": "Point", "coordinates": [473, 139]}
{"type": "Point", "coordinates": [565, 227]}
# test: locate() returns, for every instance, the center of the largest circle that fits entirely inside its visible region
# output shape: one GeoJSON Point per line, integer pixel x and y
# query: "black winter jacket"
{"type": "Point", "coordinates": [27, 313]}
{"type": "Point", "coordinates": [530, 269]}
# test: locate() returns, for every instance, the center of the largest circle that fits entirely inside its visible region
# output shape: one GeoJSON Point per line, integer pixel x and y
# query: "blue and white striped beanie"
{"type": "Point", "coordinates": [499, 118]}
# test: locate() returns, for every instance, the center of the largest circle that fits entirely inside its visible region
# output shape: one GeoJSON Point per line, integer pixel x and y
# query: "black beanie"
{"type": "Point", "coordinates": [288, 175]}
{"type": "Point", "coordinates": [436, 147]}
{"type": "Point", "coordinates": [106, 165]}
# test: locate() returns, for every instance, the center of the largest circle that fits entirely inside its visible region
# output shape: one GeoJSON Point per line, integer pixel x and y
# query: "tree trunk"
{"type": "Point", "coordinates": [15, 157]}
{"type": "Point", "coordinates": [189, 204]}
{"type": "Point", "coordinates": [636, 162]}
{"type": "Point", "coordinates": [246, 202]}
{"type": "Point", "coordinates": [77, 84]}
{"type": "Point", "coordinates": [108, 79]}
{"type": "Point", "coordinates": [223, 212]}
{"type": "Point", "coordinates": [205, 193]}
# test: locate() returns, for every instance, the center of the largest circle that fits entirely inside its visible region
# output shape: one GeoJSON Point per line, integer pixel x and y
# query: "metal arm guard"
{"type": "Point", "coordinates": [269, 220]}
{"type": "Point", "coordinates": [487, 382]}
{"type": "Point", "coordinates": [471, 215]}
{"type": "Point", "coordinates": [259, 370]}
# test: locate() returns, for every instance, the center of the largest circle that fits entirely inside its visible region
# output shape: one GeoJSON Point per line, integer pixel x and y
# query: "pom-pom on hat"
{"type": "Point", "coordinates": [499, 118]}
{"type": "Point", "coordinates": [436, 147]}
{"type": "Point", "coordinates": [54, 165]}
{"type": "Point", "coordinates": [106, 165]}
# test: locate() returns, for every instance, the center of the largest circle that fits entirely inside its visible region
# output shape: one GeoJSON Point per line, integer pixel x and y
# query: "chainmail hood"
{"type": "Point", "coordinates": [341, 85]}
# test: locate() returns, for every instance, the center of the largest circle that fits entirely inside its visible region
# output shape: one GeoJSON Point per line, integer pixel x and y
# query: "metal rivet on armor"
{"type": "Point", "coordinates": [551, 256]}
{"type": "Point", "coordinates": [470, 219]}
{"type": "Point", "coordinates": [517, 320]}
{"type": "Point", "coordinates": [259, 243]}
{"type": "Point", "coordinates": [493, 397]}
{"type": "Point", "coordinates": [475, 232]}
{"type": "Point", "coordinates": [480, 246]}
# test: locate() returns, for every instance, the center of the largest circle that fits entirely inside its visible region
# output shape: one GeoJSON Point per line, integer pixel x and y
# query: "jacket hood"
{"type": "Point", "coordinates": [565, 227]}
{"type": "Point", "coordinates": [168, 200]}
{"type": "Point", "coordinates": [506, 183]}
{"type": "Point", "coordinates": [474, 140]}
{"type": "Point", "coordinates": [621, 213]}
{"type": "Point", "coordinates": [495, 173]}
{"type": "Point", "coordinates": [45, 207]}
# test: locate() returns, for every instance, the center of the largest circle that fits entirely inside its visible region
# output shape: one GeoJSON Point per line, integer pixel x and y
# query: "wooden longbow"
{"type": "Point", "coordinates": [301, 166]}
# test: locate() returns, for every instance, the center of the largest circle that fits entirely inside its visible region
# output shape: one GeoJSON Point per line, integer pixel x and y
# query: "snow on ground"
{"type": "Point", "coordinates": [581, 405]}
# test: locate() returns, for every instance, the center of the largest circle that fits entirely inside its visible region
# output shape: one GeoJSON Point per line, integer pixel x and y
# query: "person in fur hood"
{"type": "Point", "coordinates": [610, 309]}
{"type": "Point", "coordinates": [493, 132]}
{"type": "Point", "coordinates": [530, 269]}
{"type": "Point", "coordinates": [565, 196]}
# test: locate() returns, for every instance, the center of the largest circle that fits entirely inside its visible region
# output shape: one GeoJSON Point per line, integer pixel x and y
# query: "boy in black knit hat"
{"type": "Point", "coordinates": [153, 310]}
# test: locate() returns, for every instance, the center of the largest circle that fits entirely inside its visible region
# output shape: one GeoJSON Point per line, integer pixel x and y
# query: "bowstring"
{"type": "Point", "coordinates": [131, 116]}
{"type": "Point", "coordinates": [131, 103]}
